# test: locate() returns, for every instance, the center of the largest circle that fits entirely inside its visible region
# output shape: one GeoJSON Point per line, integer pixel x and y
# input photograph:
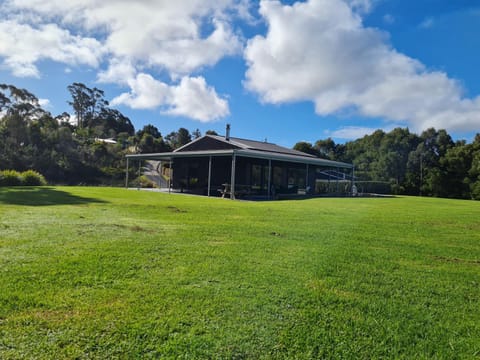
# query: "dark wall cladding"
{"type": "Point", "coordinates": [208, 143]}
{"type": "Point", "coordinates": [191, 174]}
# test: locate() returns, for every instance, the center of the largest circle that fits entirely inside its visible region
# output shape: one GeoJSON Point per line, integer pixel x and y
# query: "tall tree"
{"type": "Point", "coordinates": [196, 134]}
{"type": "Point", "coordinates": [178, 138]}
{"type": "Point", "coordinates": [86, 103]}
{"type": "Point", "coordinates": [306, 147]}
{"type": "Point", "coordinates": [19, 101]}
{"type": "Point", "coordinates": [326, 148]}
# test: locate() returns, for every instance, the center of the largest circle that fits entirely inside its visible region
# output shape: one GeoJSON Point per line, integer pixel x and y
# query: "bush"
{"type": "Point", "coordinates": [26, 178]}
{"type": "Point", "coordinates": [33, 178]}
{"type": "Point", "coordinates": [146, 183]}
{"type": "Point", "coordinates": [475, 188]}
{"type": "Point", "coordinates": [10, 178]}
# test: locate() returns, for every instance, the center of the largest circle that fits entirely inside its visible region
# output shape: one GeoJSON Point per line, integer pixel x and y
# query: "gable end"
{"type": "Point", "coordinates": [207, 143]}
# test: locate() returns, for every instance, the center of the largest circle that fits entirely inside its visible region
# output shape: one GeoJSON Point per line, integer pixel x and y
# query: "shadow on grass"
{"type": "Point", "coordinates": [41, 196]}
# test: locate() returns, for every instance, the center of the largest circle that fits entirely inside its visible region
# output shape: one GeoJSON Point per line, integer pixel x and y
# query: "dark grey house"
{"type": "Point", "coordinates": [226, 166]}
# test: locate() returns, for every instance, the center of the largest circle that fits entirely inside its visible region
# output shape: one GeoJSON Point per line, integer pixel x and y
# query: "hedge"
{"type": "Point", "coordinates": [26, 178]}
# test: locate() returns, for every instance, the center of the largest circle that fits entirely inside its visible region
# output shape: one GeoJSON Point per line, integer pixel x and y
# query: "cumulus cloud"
{"type": "Point", "coordinates": [192, 98]}
{"type": "Point", "coordinates": [167, 34]}
{"type": "Point", "coordinates": [320, 51]}
{"type": "Point", "coordinates": [354, 132]}
{"type": "Point", "coordinates": [119, 71]}
{"type": "Point", "coordinates": [132, 38]}
{"type": "Point", "coordinates": [44, 103]}
{"type": "Point", "coordinates": [146, 93]}
{"type": "Point", "coordinates": [22, 45]}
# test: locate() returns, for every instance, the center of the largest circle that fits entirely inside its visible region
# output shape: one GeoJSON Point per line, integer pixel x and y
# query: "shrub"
{"type": "Point", "coordinates": [26, 178]}
{"type": "Point", "coordinates": [32, 178]}
{"type": "Point", "coordinates": [146, 182]}
{"type": "Point", "coordinates": [10, 178]}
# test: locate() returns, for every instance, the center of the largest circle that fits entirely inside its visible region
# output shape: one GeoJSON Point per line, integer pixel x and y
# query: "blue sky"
{"type": "Point", "coordinates": [284, 71]}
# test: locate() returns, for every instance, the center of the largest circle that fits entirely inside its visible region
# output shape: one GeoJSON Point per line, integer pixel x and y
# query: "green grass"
{"type": "Point", "coordinates": [113, 273]}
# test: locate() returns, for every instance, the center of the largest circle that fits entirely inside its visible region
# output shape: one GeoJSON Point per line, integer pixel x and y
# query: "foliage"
{"type": "Point", "coordinates": [10, 178]}
{"type": "Point", "coordinates": [26, 178]}
{"type": "Point", "coordinates": [32, 178]}
{"type": "Point", "coordinates": [306, 147]}
{"type": "Point", "coordinates": [150, 140]}
{"type": "Point", "coordinates": [143, 182]}
{"type": "Point", "coordinates": [31, 138]}
{"type": "Point", "coordinates": [178, 138]}
{"type": "Point", "coordinates": [428, 164]}
{"type": "Point", "coordinates": [136, 274]}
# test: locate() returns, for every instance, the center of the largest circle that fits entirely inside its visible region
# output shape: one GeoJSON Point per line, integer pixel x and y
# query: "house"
{"type": "Point", "coordinates": [215, 165]}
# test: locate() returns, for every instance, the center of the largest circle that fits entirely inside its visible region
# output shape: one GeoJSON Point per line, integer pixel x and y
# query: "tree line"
{"type": "Point", "coordinates": [88, 147]}
{"type": "Point", "coordinates": [79, 148]}
{"type": "Point", "coordinates": [429, 164]}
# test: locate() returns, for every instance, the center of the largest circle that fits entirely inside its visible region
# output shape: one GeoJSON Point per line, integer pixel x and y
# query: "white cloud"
{"type": "Point", "coordinates": [185, 55]}
{"type": "Point", "coordinates": [146, 93]}
{"type": "Point", "coordinates": [169, 35]}
{"type": "Point", "coordinates": [134, 38]}
{"type": "Point", "coordinates": [22, 45]}
{"type": "Point", "coordinates": [351, 132]}
{"type": "Point", "coordinates": [192, 98]}
{"type": "Point", "coordinates": [119, 72]}
{"type": "Point", "coordinates": [363, 6]}
{"type": "Point", "coordinates": [320, 51]}
{"type": "Point", "coordinates": [44, 103]}
{"type": "Point", "coordinates": [354, 132]}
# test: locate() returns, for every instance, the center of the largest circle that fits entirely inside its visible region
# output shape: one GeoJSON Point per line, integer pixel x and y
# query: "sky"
{"type": "Point", "coordinates": [281, 71]}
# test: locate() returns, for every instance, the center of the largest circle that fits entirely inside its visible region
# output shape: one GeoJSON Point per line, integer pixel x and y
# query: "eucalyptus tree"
{"type": "Point", "coordinates": [86, 103]}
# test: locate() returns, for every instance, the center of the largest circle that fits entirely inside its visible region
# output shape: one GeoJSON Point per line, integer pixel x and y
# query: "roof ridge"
{"type": "Point", "coordinates": [260, 146]}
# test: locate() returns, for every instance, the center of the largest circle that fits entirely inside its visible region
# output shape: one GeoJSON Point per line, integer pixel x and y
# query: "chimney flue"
{"type": "Point", "coordinates": [227, 133]}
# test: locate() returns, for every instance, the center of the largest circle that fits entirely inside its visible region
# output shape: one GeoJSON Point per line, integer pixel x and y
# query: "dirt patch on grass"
{"type": "Point", "coordinates": [456, 260]}
{"type": "Point", "coordinates": [175, 209]}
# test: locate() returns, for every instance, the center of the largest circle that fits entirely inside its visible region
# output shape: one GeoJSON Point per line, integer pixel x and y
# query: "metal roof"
{"type": "Point", "coordinates": [258, 154]}
{"type": "Point", "coordinates": [260, 146]}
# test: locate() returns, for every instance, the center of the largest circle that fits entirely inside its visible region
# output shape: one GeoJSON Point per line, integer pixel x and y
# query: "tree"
{"type": "Point", "coordinates": [86, 103]}
{"type": "Point", "coordinates": [393, 155]}
{"type": "Point", "coordinates": [434, 147]}
{"type": "Point", "coordinates": [149, 129]}
{"type": "Point", "coordinates": [178, 138]}
{"type": "Point", "coordinates": [196, 134]}
{"type": "Point", "coordinates": [150, 140]}
{"type": "Point", "coordinates": [474, 171]}
{"type": "Point", "coordinates": [306, 147]}
{"type": "Point", "coordinates": [326, 148]}
{"type": "Point", "coordinates": [112, 122]}
{"type": "Point", "coordinates": [456, 164]}
{"type": "Point", "coordinates": [19, 101]}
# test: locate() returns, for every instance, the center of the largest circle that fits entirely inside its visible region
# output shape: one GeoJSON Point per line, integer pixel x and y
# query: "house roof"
{"type": "Point", "coordinates": [169, 156]}
{"type": "Point", "coordinates": [260, 146]}
{"type": "Point", "coordinates": [213, 145]}
{"type": "Point", "coordinates": [239, 150]}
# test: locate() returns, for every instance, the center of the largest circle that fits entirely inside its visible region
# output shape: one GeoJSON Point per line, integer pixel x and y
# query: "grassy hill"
{"type": "Point", "coordinates": [114, 273]}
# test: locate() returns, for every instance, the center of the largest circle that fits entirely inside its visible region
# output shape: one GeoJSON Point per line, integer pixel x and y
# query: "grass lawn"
{"type": "Point", "coordinates": [113, 273]}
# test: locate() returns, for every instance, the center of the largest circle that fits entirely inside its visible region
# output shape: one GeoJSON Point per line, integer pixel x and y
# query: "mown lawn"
{"type": "Point", "coordinates": [112, 273]}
